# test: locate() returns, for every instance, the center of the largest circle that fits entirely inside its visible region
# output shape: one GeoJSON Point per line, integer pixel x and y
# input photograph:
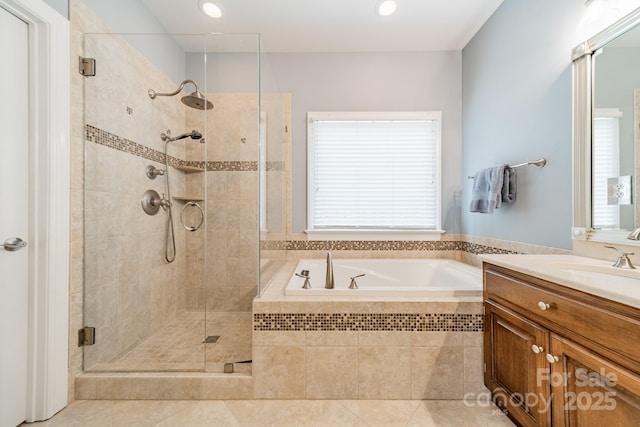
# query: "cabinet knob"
{"type": "Point", "coordinates": [551, 358]}
{"type": "Point", "coordinates": [543, 305]}
{"type": "Point", "coordinates": [537, 349]}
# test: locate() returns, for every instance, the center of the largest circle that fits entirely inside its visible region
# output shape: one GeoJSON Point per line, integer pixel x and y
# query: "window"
{"type": "Point", "coordinates": [606, 164]}
{"type": "Point", "coordinates": [374, 171]}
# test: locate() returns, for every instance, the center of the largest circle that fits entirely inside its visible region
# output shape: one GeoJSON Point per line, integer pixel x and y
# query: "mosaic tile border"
{"type": "Point", "coordinates": [108, 139]}
{"type": "Point", "coordinates": [380, 245]}
{"type": "Point", "coordinates": [275, 165]}
{"type": "Point", "coordinates": [425, 322]}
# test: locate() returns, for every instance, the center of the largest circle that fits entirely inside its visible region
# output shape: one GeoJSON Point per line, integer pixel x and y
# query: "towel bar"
{"type": "Point", "coordinates": [541, 162]}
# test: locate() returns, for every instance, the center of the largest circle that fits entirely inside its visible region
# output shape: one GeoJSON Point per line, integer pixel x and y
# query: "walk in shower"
{"type": "Point", "coordinates": [175, 198]}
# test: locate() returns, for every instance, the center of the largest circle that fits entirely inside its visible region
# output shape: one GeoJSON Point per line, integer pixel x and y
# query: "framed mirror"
{"type": "Point", "coordinates": [606, 133]}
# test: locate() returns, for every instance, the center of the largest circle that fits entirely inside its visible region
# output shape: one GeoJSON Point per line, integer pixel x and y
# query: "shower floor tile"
{"type": "Point", "coordinates": [179, 346]}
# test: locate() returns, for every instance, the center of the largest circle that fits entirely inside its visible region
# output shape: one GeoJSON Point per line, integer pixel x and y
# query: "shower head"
{"type": "Point", "coordinates": [194, 100]}
{"type": "Point", "coordinates": [194, 134]}
{"type": "Point", "coordinates": [197, 100]}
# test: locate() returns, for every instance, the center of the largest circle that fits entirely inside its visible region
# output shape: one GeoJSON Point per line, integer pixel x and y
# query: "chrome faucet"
{"type": "Point", "coordinates": [328, 282]}
{"type": "Point", "coordinates": [623, 260]}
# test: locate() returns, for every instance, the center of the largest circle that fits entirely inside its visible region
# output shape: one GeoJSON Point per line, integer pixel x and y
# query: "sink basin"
{"type": "Point", "coordinates": [598, 270]}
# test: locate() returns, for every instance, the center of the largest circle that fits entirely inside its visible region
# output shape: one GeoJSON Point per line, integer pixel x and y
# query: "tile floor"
{"type": "Point", "coordinates": [279, 413]}
{"type": "Point", "coordinates": [179, 346]}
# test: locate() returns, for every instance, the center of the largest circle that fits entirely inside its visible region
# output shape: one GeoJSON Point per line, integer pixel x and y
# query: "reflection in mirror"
{"type": "Point", "coordinates": [606, 112]}
{"type": "Point", "coordinates": [616, 79]}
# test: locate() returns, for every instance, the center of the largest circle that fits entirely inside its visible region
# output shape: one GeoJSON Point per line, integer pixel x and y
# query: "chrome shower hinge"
{"type": "Point", "coordinates": [86, 336]}
{"type": "Point", "coordinates": [87, 66]}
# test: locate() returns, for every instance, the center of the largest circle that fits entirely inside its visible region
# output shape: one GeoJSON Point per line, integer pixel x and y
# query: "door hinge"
{"type": "Point", "coordinates": [87, 66]}
{"type": "Point", "coordinates": [86, 336]}
{"type": "Point", "coordinates": [484, 367]}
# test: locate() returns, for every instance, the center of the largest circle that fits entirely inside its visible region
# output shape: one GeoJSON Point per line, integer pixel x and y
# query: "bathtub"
{"type": "Point", "coordinates": [438, 279]}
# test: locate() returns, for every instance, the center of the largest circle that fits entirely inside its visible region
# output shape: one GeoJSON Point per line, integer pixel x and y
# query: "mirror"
{"type": "Point", "coordinates": [606, 105]}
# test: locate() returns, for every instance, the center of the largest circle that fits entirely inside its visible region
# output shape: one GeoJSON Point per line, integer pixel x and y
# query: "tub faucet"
{"type": "Point", "coordinates": [328, 282]}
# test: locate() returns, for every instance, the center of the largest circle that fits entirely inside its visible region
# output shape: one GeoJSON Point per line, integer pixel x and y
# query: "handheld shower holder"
{"type": "Point", "coordinates": [167, 138]}
{"type": "Point", "coordinates": [152, 172]}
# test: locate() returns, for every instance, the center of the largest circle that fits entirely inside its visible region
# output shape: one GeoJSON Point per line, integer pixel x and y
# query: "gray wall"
{"type": "Point", "coordinates": [370, 82]}
{"type": "Point", "coordinates": [352, 82]}
{"type": "Point", "coordinates": [61, 6]}
{"type": "Point", "coordinates": [225, 72]}
{"type": "Point", "coordinates": [516, 91]}
{"type": "Point", "coordinates": [132, 16]}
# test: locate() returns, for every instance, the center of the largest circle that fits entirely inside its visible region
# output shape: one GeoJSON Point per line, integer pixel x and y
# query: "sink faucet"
{"type": "Point", "coordinates": [623, 260]}
{"type": "Point", "coordinates": [328, 283]}
{"type": "Point", "coordinates": [634, 235]}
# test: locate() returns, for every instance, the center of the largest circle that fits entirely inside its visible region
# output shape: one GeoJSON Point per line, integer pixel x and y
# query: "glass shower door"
{"type": "Point", "coordinates": [141, 286]}
{"type": "Point", "coordinates": [231, 73]}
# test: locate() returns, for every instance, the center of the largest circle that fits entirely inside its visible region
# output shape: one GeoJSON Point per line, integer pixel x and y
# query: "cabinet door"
{"type": "Point", "coordinates": [516, 371]}
{"type": "Point", "coordinates": [589, 390]}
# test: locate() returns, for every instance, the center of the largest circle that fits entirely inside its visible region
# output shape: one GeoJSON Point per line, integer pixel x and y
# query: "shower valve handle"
{"type": "Point", "coordinates": [165, 203]}
{"type": "Point", "coordinates": [161, 202]}
{"type": "Point", "coordinates": [152, 202]}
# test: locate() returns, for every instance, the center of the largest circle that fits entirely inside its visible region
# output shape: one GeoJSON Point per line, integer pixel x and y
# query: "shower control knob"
{"type": "Point", "coordinates": [152, 202]}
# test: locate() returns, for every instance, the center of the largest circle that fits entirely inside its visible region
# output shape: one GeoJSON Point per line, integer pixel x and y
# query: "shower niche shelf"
{"type": "Point", "coordinates": [188, 198]}
{"type": "Point", "coordinates": [188, 169]}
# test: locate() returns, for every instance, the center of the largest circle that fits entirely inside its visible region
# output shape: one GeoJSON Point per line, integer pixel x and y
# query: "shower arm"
{"type": "Point", "coordinates": [152, 93]}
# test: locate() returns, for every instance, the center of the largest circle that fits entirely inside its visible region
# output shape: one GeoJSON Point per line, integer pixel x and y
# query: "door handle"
{"type": "Point", "coordinates": [14, 244]}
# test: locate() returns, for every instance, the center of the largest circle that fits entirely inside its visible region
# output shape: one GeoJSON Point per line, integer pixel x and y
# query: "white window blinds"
{"type": "Point", "coordinates": [605, 164]}
{"type": "Point", "coordinates": [374, 170]}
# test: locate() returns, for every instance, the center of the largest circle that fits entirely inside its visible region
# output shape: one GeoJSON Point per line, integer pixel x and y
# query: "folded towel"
{"type": "Point", "coordinates": [509, 185]}
{"type": "Point", "coordinates": [487, 189]}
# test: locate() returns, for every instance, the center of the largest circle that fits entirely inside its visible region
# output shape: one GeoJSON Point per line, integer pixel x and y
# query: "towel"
{"type": "Point", "coordinates": [487, 189]}
{"type": "Point", "coordinates": [509, 185]}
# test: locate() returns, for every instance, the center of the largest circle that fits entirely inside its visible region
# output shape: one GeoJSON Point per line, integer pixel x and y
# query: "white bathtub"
{"type": "Point", "coordinates": [440, 279]}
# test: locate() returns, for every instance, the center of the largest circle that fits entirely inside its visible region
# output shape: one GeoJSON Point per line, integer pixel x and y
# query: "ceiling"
{"type": "Point", "coordinates": [331, 25]}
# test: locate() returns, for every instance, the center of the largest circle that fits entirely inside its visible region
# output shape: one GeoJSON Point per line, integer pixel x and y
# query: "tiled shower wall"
{"type": "Point", "coordinates": [228, 280]}
{"type": "Point", "coordinates": [130, 291]}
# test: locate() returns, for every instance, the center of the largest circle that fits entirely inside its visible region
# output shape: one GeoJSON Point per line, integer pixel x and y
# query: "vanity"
{"type": "Point", "coordinates": [562, 332]}
{"type": "Point", "coordinates": [562, 340]}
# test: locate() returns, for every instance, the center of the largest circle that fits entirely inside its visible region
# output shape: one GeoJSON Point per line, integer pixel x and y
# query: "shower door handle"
{"type": "Point", "coordinates": [14, 244]}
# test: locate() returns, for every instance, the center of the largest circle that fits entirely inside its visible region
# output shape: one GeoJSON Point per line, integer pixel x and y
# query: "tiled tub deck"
{"type": "Point", "coordinates": [364, 348]}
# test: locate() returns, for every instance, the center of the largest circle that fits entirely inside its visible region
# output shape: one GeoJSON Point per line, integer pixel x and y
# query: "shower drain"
{"type": "Point", "coordinates": [211, 339]}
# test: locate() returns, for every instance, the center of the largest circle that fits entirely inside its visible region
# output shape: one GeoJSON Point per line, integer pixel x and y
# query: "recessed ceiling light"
{"type": "Point", "coordinates": [386, 7]}
{"type": "Point", "coordinates": [209, 8]}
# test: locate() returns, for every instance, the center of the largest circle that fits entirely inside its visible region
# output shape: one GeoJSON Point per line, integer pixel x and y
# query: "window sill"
{"type": "Point", "coordinates": [374, 234]}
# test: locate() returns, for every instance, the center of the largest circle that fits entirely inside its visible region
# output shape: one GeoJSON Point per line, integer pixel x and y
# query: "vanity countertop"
{"type": "Point", "coordinates": [594, 276]}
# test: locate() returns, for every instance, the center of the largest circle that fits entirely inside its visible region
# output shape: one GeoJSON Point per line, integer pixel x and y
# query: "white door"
{"type": "Point", "coordinates": [14, 217]}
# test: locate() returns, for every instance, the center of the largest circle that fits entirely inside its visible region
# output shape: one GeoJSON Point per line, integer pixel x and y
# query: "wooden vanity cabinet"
{"type": "Point", "coordinates": [588, 390]}
{"type": "Point", "coordinates": [512, 368]}
{"type": "Point", "coordinates": [555, 356]}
